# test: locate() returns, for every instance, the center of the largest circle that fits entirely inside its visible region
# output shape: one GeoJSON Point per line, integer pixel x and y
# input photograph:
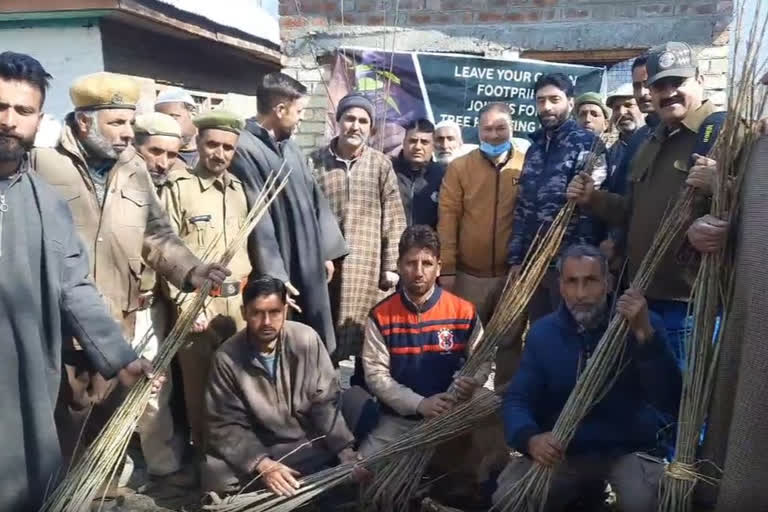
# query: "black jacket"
{"type": "Point", "coordinates": [419, 190]}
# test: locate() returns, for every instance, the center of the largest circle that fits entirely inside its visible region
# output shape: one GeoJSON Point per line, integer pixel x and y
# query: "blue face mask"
{"type": "Point", "coordinates": [494, 151]}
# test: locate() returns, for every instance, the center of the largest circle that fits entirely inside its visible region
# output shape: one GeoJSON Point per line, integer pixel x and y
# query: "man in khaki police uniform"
{"type": "Point", "coordinates": [158, 140]}
{"type": "Point", "coordinates": [120, 220]}
{"type": "Point", "coordinates": [207, 201]}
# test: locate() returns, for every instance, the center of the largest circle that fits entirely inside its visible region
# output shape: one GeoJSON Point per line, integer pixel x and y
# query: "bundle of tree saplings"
{"type": "Point", "coordinates": [530, 492]}
{"type": "Point", "coordinates": [100, 462]}
{"type": "Point", "coordinates": [714, 281]}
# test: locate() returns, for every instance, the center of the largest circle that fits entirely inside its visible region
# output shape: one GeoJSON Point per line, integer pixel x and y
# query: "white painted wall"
{"type": "Point", "coordinates": [66, 52]}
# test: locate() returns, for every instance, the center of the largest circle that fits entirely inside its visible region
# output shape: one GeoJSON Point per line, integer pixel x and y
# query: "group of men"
{"type": "Point", "coordinates": [396, 261]}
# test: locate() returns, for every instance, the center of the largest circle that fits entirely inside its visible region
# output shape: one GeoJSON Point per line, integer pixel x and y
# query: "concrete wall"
{"type": "Point", "coordinates": [65, 50]}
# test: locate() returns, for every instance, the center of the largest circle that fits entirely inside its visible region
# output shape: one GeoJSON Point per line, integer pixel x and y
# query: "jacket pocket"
{"type": "Point", "coordinates": [134, 207]}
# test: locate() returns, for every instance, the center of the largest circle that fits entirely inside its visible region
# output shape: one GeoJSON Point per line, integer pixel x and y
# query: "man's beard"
{"type": "Point", "coordinates": [589, 318]}
{"type": "Point", "coordinates": [556, 123]}
{"type": "Point", "coordinates": [158, 178]}
{"type": "Point", "coordinates": [13, 147]}
{"type": "Point", "coordinates": [98, 146]}
{"type": "Point", "coordinates": [443, 158]}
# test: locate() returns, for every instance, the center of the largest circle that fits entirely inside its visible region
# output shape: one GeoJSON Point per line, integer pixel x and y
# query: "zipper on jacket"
{"type": "Point", "coordinates": [4, 208]}
{"type": "Point", "coordinates": [413, 196]}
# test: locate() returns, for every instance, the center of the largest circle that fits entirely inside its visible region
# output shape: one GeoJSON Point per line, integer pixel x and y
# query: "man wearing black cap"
{"type": "Point", "coordinates": [673, 156]}
{"type": "Point", "coordinates": [362, 189]}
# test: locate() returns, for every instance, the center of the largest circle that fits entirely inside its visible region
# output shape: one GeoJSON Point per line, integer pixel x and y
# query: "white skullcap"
{"type": "Point", "coordinates": [622, 91]}
{"type": "Point", "coordinates": [448, 124]}
{"type": "Point", "coordinates": [175, 95]}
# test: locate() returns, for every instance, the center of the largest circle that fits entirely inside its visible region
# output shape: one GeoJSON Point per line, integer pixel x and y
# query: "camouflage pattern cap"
{"type": "Point", "coordinates": [671, 60]}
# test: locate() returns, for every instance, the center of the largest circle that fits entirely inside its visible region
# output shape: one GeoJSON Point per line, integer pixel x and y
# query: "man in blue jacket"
{"type": "Point", "coordinates": [623, 423]}
{"type": "Point", "coordinates": [559, 151]}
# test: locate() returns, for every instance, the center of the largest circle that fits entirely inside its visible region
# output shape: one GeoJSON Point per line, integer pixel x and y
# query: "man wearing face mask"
{"type": "Point", "coordinates": [120, 219]}
{"type": "Point", "coordinates": [299, 238]}
{"type": "Point", "coordinates": [559, 151]}
{"type": "Point", "coordinates": [361, 187]}
{"type": "Point", "coordinates": [657, 173]}
{"type": "Point", "coordinates": [477, 201]}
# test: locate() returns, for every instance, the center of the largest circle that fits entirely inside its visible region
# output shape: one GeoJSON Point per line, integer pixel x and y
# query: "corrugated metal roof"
{"type": "Point", "coordinates": [245, 15]}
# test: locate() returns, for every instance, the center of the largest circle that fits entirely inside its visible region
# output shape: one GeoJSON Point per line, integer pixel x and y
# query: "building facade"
{"type": "Point", "coordinates": [161, 43]}
{"type": "Point", "coordinates": [606, 33]}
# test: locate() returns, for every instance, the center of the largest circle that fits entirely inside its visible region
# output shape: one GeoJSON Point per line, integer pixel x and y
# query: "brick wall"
{"type": "Point", "coordinates": [316, 14]}
{"type": "Point", "coordinates": [496, 27]}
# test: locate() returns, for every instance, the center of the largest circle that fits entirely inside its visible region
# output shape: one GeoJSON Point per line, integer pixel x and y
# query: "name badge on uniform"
{"type": "Point", "coordinates": [200, 218]}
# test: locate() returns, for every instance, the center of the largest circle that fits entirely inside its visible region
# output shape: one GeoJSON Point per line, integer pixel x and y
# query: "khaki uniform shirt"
{"type": "Point", "coordinates": [130, 225]}
{"type": "Point", "coordinates": [202, 206]}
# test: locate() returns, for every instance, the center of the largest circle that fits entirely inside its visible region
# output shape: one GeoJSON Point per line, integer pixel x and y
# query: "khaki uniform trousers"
{"type": "Point", "coordinates": [162, 447]}
{"type": "Point", "coordinates": [634, 478]}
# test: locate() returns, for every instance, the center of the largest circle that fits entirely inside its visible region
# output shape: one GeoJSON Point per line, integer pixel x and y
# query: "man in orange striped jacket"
{"type": "Point", "coordinates": [416, 340]}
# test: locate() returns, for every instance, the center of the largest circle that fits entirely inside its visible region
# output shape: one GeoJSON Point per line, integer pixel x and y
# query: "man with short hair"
{"type": "Point", "coordinates": [418, 175]}
{"type": "Point", "coordinates": [560, 150]}
{"type": "Point", "coordinates": [477, 201]}
{"type": "Point", "coordinates": [449, 143]}
{"type": "Point", "coordinates": [120, 219]}
{"type": "Point", "coordinates": [180, 105]}
{"type": "Point", "coordinates": [662, 166]}
{"type": "Point", "coordinates": [591, 113]}
{"type": "Point", "coordinates": [158, 139]}
{"type": "Point", "coordinates": [408, 367]}
{"type": "Point", "coordinates": [272, 400]}
{"type": "Point", "coordinates": [298, 239]}
{"type": "Point", "coordinates": [621, 424]}
{"type": "Point", "coordinates": [362, 190]}
{"type": "Point", "coordinates": [45, 296]}
{"type": "Point", "coordinates": [209, 207]}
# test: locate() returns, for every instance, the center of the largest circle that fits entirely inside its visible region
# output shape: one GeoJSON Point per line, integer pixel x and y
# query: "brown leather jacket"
{"type": "Point", "coordinates": [130, 227]}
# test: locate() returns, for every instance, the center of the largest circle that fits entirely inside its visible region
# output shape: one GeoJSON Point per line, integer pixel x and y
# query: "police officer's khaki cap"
{"type": "Point", "coordinates": [155, 123]}
{"type": "Point", "coordinates": [104, 90]}
{"type": "Point", "coordinates": [219, 120]}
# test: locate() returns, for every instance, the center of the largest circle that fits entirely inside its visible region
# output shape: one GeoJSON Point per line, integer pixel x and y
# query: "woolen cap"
{"type": "Point", "coordinates": [354, 100]}
{"type": "Point", "coordinates": [155, 123]}
{"type": "Point", "coordinates": [591, 98]}
{"type": "Point", "coordinates": [104, 90]}
{"type": "Point", "coordinates": [175, 95]}
{"type": "Point", "coordinates": [219, 120]}
{"type": "Point", "coordinates": [671, 60]}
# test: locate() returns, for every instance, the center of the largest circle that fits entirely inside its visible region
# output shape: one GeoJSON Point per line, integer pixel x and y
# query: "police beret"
{"type": "Point", "coordinates": [219, 120]}
{"type": "Point", "coordinates": [104, 90]}
{"type": "Point", "coordinates": [155, 123]}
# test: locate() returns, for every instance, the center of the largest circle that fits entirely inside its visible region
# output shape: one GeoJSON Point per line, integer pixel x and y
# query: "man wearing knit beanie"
{"type": "Point", "coordinates": [591, 113]}
{"type": "Point", "coordinates": [361, 187]}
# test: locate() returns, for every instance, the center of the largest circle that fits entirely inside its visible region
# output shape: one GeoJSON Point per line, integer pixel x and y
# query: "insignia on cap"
{"type": "Point", "coordinates": [667, 59]}
{"type": "Point", "coordinates": [117, 98]}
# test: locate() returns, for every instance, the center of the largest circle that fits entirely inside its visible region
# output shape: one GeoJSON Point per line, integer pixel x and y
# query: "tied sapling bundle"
{"type": "Point", "coordinates": [396, 480]}
{"type": "Point", "coordinates": [713, 286]}
{"type": "Point", "coordinates": [456, 422]}
{"type": "Point", "coordinates": [530, 492]}
{"type": "Point", "coordinates": [101, 461]}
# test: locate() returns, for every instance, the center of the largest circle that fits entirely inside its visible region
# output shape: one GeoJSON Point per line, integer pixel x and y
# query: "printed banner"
{"type": "Point", "coordinates": [405, 86]}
